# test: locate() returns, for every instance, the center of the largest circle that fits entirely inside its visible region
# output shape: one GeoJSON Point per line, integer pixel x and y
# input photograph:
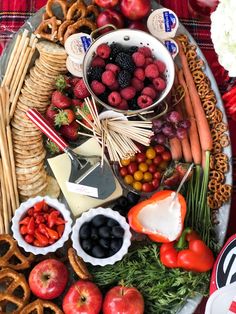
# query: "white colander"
{"type": "Point", "coordinates": [131, 37]}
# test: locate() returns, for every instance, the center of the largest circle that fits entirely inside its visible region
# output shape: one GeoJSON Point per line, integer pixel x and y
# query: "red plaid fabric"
{"type": "Point", "coordinates": [13, 14]}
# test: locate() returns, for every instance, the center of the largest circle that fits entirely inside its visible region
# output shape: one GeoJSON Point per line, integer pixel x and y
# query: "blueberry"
{"type": "Point", "coordinates": [123, 202]}
{"type": "Point", "coordinates": [94, 234]}
{"type": "Point", "coordinates": [133, 198]}
{"type": "Point", "coordinates": [104, 232]}
{"type": "Point", "coordinates": [117, 208]}
{"type": "Point", "coordinates": [99, 220]}
{"type": "Point", "coordinates": [117, 231]}
{"type": "Point", "coordinates": [112, 222]}
{"type": "Point", "coordinates": [86, 245]}
{"type": "Point", "coordinates": [85, 231]}
{"type": "Point", "coordinates": [98, 251]}
{"type": "Point", "coordinates": [105, 243]}
{"type": "Point", "coordinates": [116, 244]}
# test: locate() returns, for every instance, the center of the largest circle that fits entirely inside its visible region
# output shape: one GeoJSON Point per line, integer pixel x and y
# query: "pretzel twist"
{"type": "Point", "coordinates": [76, 11]}
{"type": "Point", "coordinates": [78, 265]}
{"type": "Point", "coordinates": [78, 25]}
{"type": "Point", "coordinates": [49, 24]}
{"type": "Point", "coordinates": [61, 3]}
{"type": "Point", "coordinates": [38, 307]}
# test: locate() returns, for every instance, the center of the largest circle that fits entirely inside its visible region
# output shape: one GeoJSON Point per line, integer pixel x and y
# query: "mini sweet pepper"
{"type": "Point", "coordinates": [189, 253]}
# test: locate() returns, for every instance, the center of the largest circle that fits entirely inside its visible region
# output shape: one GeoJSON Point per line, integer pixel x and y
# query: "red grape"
{"type": "Point", "coordinates": [160, 139]}
{"type": "Point", "coordinates": [181, 133]}
{"type": "Point", "coordinates": [174, 117]}
{"type": "Point", "coordinates": [185, 124]}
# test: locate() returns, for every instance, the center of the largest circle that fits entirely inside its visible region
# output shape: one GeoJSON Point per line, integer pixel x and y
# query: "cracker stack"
{"type": "Point", "coordinates": [28, 146]}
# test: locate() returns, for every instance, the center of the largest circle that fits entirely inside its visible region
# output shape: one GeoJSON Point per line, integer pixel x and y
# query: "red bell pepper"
{"type": "Point", "coordinates": [196, 257]}
{"type": "Point", "coordinates": [133, 215]}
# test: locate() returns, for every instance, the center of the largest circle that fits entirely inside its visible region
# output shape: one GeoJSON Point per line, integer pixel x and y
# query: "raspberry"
{"type": "Point", "coordinates": [159, 84]}
{"type": "Point", "coordinates": [149, 91]}
{"type": "Point", "coordinates": [151, 71]}
{"type": "Point", "coordinates": [103, 51]}
{"type": "Point", "coordinates": [80, 90]}
{"type": "Point", "coordinates": [139, 73]}
{"type": "Point", "coordinates": [138, 58]}
{"type": "Point", "coordinates": [114, 99]}
{"type": "Point", "coordinates": [108, 78]}
{"type": "Point", "coordinates": [113, 67]}
{"type": "Point", "coordinates": [128, 92]}
{"type": "Point", "coordinates": [97, 62]}
{"type": "Point", "coordinates": [144, 101]}
{"type": "Point", "coordinates": [137, 84]}
{"type": "Point", "coordinates": [114, 86]}
{"type": "Point", "coordinates": [123, 105]}
{"type": "Point", "coordinates": [161, 66]}
{"type": "Point", "coordinates": [146, 51]}
{"type": "Point", "coordinates": [148, 61]}
{"type": "Point", "coordinates": [97, 87]}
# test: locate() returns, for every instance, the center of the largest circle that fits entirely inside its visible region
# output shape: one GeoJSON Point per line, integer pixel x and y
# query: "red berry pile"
{"type": "Point", "coordinates": [126, 77]}
{"type": "Point", "coordinates": [42, 225]}
{"type": "Point", "coordinates": [144, 171]}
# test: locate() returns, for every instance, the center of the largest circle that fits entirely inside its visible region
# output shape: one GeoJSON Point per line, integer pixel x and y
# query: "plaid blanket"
{"type": "Point", "coordinates": [14, 13]}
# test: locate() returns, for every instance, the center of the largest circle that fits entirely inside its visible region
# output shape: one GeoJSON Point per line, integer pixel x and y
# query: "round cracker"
{"type": "Point", "coordinates": [52, 189]}
{"type": "Point", "coordinates": [31, 176]}
{"type": "Point", "coordinates": [50, 48]}
{"type": "Point", "coordinates": [30, 146]}
{"type": "Point", "coordinates": [34, 94]}
{"type": "Point", "coordinates": [30, 160]}
{"type": "Point", "coordinates": [34, 191]}
{"type": "Point", "coordinates": [22, 128]}
{"type": "Point", "coordinates": [24, 170]}
{"type": "Point", "coordinates": [31, 186]}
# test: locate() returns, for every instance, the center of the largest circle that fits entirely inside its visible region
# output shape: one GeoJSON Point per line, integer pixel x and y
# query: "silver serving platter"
{"type": "Point", "coordinates": [224, 211]}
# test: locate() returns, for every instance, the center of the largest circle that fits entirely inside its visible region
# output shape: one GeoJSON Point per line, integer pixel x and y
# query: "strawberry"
{"type": "Point", "coordinates": [62, 83]}
{"type": "Point", "coordinates": [172, 178]}
{"type": "Point", "coordinates": [64, 117]}
{"type": "Point", "coordinates": [182, 168]}
{"type": "Point", "coordinates": [51, 112]}
{"type": "Point", "coordinates": [74, 80]}
{"type": "Point", "coordinates": [76, 102]}
{"type": "Point", "coordinates": [80, 90]}
{"type": "Point", "coordinates": [70, 131]}
{"type": "Point", "coordinates": [52, 147]}
{"type": "Point", "coordinates": [86, 112]}
{"type": "Point", "coordinates": [60, 100]}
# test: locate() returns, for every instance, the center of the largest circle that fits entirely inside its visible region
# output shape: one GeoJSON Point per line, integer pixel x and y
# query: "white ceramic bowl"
{"type": "Point", "coordinates": [88, 216]}
{"type": "Point", "coordinates": [20, 213]}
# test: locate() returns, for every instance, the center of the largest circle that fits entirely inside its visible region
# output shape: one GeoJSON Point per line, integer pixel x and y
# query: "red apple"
{"type": "Point", "coordinates": [110, 16]}
{"type": "Point", "coordinates": [83, 297]}
{"type": "Point", "coordinates": [106, 3]}
{"type": "Point", "coordinates": [48, 279]}
{"type": "Point", "coordinates": [135, 9]}
{"type": "Point", "coordinates": [138, 25]}
{"type": "Point", "coordinates": [125, 300]}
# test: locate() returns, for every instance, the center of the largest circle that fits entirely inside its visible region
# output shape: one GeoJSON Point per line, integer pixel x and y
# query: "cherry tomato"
{"type": "Point", "coordinates": [148, 161]}
{"type": "Point", "coordinates": [147, 176]}
{"type": "Point", "coordinates": [159, 149]}
{"type": "Point", "coordinates": [147, 187]}
{"type": "Point", "coordinates": [157, 175]}
{"type": "Point", "coordinates": [138, 175]}
{"type": "Point", "coordinates": [155, 183]}
{"type": "Point", "coordinates": [163, 165]}
{"type": "Point", "coordinates": [123, 171]}
{"type": "Point", "coordinates": [157, 160]}
{"type": "Point", "coordinates": [125, 162]}
{"type": "Point", "coordinates": [140, 157]}
{"type": "Point", "coordinates": [166, 156]}
{"type": "Point", "coordinates": [29, 238]}
{"type": "Point", "coordinates": [128, 179]}
{"type": "Point", "coordinates": [150, 153]}
{"type": "Point", "coordinates": [137, 186]}
{"type": "Point", "coordinates": [143, 167]}
{"type": "Point", "coordinates": [152, 168]}
{"type": "Point", "coordinates": [132, 167]}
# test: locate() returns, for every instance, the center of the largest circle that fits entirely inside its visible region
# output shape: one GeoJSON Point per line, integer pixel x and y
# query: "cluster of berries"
{"type": "Point", "coordinates": [126, 77]}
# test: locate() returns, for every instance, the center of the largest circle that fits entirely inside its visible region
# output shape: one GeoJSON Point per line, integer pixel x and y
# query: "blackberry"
{"type": "Point", "coordinates": [133, 104]}
{"type": "Point", "coordinates": [115, 49]}
{"type": "Point", "coordinates": [104, 96]}
{"type": "Point", "coordinates": [95, 74]}
{"type": "Point", "coordinates": [131, 50]}
{"type": "Point", "coordinates": [125, 61]}
{"type": "Point", "coordinates": [124, 78]}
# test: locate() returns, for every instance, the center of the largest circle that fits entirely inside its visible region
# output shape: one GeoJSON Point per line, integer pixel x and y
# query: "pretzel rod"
{"type": "Point", "coordinates": [32, 40]}
{"type": "Point", "coordinates": [4, 201]}
{"type": "Point", "coordinates": [18, 38]}
{"type": "Point", "coordinates": [14, 102]}
{"type": "Point", "coordinates": [18, 69]}
{"type": "Point", "coordinates": [2, 228]}
{"type": "Point", "coordinates": [16, 57]}
{"type": "Point", "coordinates": [13, 170]}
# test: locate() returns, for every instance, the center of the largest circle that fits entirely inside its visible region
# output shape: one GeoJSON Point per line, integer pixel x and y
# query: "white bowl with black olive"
{"type": "Point", "coordinates": [101, 236]}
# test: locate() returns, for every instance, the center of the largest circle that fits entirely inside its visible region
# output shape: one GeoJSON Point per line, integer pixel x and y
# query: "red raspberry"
{"type": "Point", "coordinates": [151, 71]}
{"type": "Point", "coordinates": [114, 86]}
{"type": "Point", "coordinates": [139, 73]}
{"type": "Point", "coordinates": [108, 78]}
{"type": "Point", "coordinates": [144, 101]}
{"type": "Point", "coordinates": [123, 105]}
{"type": "Point", "coordinates": [103, 51]}
{"type": "Point", "coordinates": [97, 62]}
{"type": "Point", "coordinates": [137, 84]}
{"type": "Point", "coordinates": [159, 84]}
{"type": "Point", "coordinates": [113, 67]}
{"type": "Point", "coordinates": [80, 90]}
{"type": "Point", "coordinates": [149, 91]}
{"type": "Point", "coordinates": [128, 92]}
{"type": "Point", "coordinates": [114, 99]}
{"type": "Point", "coordinates": [146, 51]}
{"type": "Point", "coordinates": [97, 87]}
{"type": "Point", "coordinates": [148, 61]}
{"type": "Point", "coordinates": [138, 58]}
{"type": "Point", "coordinates": [161, 65]}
